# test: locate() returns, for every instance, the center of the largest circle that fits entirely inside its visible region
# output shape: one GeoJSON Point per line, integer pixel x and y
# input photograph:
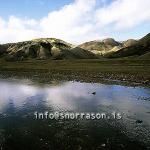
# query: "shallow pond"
{"type": "Point", "coordinates": [22, 101]}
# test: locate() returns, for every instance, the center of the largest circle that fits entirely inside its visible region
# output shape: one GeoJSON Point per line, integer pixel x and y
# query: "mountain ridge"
{"type": "Point", "coordinates": [107, 45]}
{"type": "Point", "coordinates": [52, 48]}
{"type": "Point", "coordinates": [141, 47]}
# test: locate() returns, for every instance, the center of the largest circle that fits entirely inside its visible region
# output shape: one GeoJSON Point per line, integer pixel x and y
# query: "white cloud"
{"type": "Point", "coordinates": [2, 23]}
{"type": "Point", "coordinates": [72, 22]}
{"type": "Point", "coordinates": [124, 13]}
{"type": "Point", "coordinates": [79, 21]}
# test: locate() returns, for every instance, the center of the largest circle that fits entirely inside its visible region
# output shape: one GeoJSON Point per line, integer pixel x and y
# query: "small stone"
{"type": "Point", "coordinates": [145, 82]}
{"type": "Point", "coordinates": [139, 121]}
{"type": "Point", "coordinates": [94, 93]}
{"type": "Point", "coordinates": [103, 145]}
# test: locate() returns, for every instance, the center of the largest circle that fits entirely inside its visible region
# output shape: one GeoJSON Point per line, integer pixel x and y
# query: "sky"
{"type": "Point", "coordinates": [75, 21]}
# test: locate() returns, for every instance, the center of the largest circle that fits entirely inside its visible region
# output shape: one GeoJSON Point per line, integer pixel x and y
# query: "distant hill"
{"type": "Point", "coordinates": [100, 47]}
{"type": "Point", "coordinates": [141, 48]}
{"type": "Point", "coordinates": [46, 48]}
{"type": "Point", "coordinates": [105, 46]}
{"type": "Point", "coordinates": [129, 42]}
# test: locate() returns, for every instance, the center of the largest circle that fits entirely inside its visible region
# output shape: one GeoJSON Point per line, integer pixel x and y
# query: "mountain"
{"type": "Point", "coordinates": [138, 49]}
{"type": "Point", "coordinates": [51, 48]}
{"type": "Point", "coordinates": [101, 47]}
{"type": "Point", "coordinates": [129, 42]}
{"type": "Point", "coordinates": [46, 48]}
{"type": "Point", "coordinates": [106, 46]}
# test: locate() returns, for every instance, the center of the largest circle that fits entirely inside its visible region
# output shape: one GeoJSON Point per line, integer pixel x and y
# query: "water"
{"type": "Point", "coordinates": [20, 130]}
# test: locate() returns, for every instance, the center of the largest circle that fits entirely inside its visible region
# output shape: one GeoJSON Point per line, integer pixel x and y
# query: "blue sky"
{"type": "Point", "coordinates": [33, 8]}
{"type": "Point", "coordinates": [30, 8]}
{"type": "Point", "coordinates": [75, 21]}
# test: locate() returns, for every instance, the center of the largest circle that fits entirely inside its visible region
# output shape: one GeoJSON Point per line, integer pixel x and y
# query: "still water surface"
{"type": "Point", "coordinates": [19, 130]}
